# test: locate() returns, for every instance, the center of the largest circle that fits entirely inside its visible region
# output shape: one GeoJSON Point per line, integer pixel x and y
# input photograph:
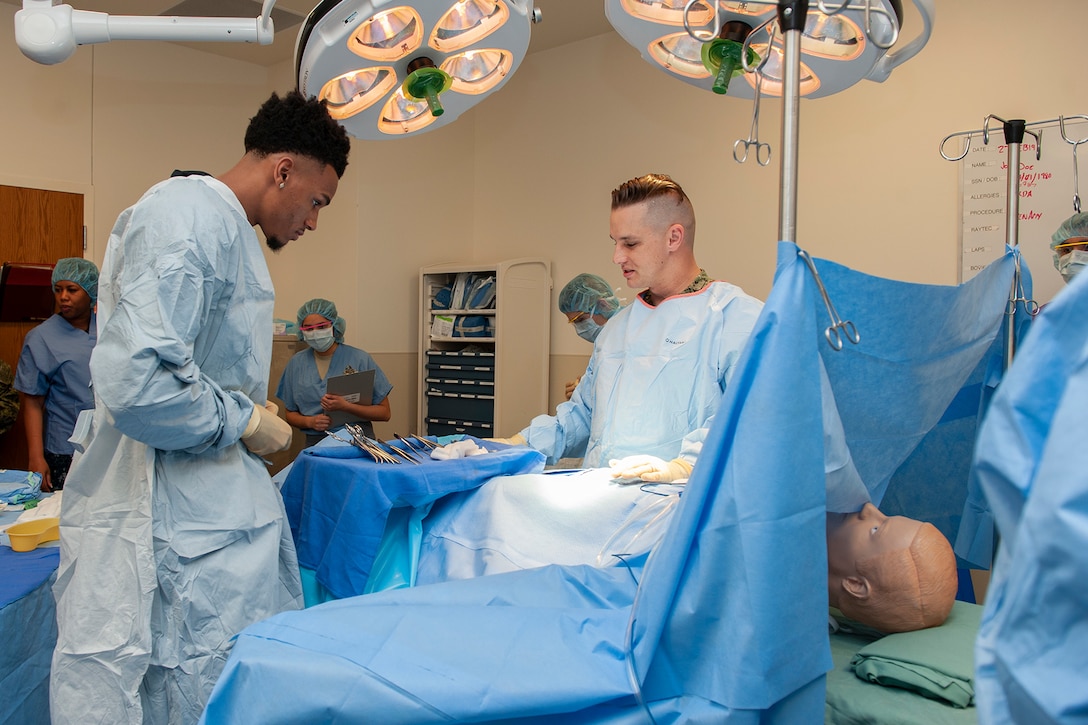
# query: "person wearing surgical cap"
{"type": "Point", "coordinates": [587, 301]}
{"type": "Point", "coordinates": [302, 387]}
{"type": "Point", "coordinates": [1070, 246]}
{"type": "Point", "coordinates": [53, 376]}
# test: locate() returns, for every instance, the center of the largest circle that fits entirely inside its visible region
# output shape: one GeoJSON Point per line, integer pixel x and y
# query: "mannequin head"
{"type": "Point", "coordinates": [889, 572]}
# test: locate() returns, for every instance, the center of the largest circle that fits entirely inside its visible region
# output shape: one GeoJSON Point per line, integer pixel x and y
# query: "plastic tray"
{"type": "Point", "coordinates": [27, 535]}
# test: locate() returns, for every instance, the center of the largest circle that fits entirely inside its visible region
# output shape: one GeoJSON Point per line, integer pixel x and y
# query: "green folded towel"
{"type": "Point", "coordinates": [938, 662]}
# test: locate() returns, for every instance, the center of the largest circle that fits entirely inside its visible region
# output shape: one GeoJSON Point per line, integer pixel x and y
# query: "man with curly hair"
{"type": "Point", "coordinates": [173, 536]}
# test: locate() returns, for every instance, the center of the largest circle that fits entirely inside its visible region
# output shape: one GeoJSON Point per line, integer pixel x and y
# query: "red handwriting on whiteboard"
{"type": "Point", "coordinates": [1023, 147]}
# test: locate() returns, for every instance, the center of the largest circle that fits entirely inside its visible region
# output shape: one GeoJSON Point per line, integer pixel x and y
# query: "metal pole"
{"type": "Point", "coordinates": [791, 19]}
{"type": "Point", "coordinates": [1014, 137]}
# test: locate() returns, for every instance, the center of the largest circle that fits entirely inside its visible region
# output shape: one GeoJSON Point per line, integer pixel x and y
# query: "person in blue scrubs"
{"type": "Point", "coordinates": [661, 364]}
{"type": "Point", "coordinates": [306, 402]}
{"type": "Point", "coordinates": [173, 536]}
{"type": "Point", "coordinates": [1069, 243]}
{"type": "Point", "coordinates": [54, 374]}
{"type": "Point", "coordinates": [588, 302]}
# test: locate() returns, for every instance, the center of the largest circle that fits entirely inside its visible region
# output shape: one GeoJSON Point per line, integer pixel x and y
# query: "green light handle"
{"type": "Point", "coordinates": [433, 103]}
{"type": "Point", "coordinates": [723, 58]}
{"type": "Point", "coordinates": [725, 73]}
{"type": "Point", "coordinates": [427, 83]}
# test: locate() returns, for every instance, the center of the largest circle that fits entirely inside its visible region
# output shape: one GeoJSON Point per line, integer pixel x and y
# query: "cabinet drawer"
{"type": "Point", "coordinates": [461, 385]}
{"type": "Point", "coordinates": [465, 372]}
{"type": "Point", "coordinates": [461, 406]}
{"type": "Point", "coordinates": [442, 427]}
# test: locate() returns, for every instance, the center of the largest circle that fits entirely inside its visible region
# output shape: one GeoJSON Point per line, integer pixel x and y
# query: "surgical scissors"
{"type": "Point", "coordinates": [753, 133]}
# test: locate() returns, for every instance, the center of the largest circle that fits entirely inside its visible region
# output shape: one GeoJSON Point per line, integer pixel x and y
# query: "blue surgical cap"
{"type": "Point", "coordinates": [1074, 226]}
{"type": "Point", "coordinates": [327, 310]}
{"type": "Point", "coordinates": [81, 271]}
{"type": "Point", "coordinates": [590, 294]}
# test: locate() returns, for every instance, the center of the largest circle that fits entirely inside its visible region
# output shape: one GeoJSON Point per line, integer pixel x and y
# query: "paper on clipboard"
{"type": "Point", "coordinates": [355, 388]}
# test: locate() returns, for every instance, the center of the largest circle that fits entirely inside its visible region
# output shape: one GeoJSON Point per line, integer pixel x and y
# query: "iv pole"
{"type": "Point", "coordinates": [1014, 130]}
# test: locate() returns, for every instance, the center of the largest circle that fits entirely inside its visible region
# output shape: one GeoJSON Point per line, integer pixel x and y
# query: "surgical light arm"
{"type": "Point", "coordinates": [48, 32]}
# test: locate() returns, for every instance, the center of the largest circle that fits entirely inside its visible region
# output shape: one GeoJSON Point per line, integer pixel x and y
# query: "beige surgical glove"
{"type": "Point", "coordinates": [571, 385]}
{"type": "Point", "coordinates": [650, 468]}
{"type": "Point", "coordinates": [266, 432]}
{"type": "Point", "coordinates": [515, 440]}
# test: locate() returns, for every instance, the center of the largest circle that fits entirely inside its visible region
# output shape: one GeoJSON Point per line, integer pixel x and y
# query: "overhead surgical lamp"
{"type": "Point", "coordinates": [48, 31]}
{"type": "Point", "coordinates": [700, 41]}
{"type": "Point", "coordinates": [782, 48]}
{"type": "Point", "coordinates": [393, 68]}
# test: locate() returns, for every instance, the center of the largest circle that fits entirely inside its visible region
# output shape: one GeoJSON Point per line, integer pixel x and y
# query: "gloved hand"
{"type": "Point", "coordinates": [650, 468]}
{"type": "Point", "coordinates": [515, 440]}
{"type": "Point", "coordinates": [568, 389]}
{"type": "Point", "coordinates": [266, 432]}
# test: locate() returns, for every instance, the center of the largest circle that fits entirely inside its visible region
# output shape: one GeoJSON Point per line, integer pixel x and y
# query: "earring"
{"type": "Point", "coordinates": [282, 183]}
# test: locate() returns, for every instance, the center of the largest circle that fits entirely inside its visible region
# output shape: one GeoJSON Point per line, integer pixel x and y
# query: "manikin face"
{"type": "Point", "coordinates": [73, 302]}
{"type": "Point", "coordinates": [641, 248]}
{"type": "Point", "coordinates": [308, 187]}
{"type": "Point", "coordinates": [868, 533]}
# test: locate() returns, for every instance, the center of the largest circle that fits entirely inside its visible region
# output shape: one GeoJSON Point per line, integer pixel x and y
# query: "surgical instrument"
{"type": "Point", "coordinates": [839, 326]}
{"type": "Point", "coordinates": [753, 133]}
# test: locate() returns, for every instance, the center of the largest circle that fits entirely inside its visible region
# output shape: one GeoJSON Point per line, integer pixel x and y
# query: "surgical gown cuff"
{"type": "Point", "coordinates": [692, 445]}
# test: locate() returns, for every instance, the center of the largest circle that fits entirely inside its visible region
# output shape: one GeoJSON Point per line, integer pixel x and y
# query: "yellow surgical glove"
{"type": "Point", "coordinates": [266, 433]}
{"type": "Point", "coordinates": [650, 468]}
{"type": "Point", "coordinates": [515, 440]}
{"type": "Point", "coordinates": [571, 385]}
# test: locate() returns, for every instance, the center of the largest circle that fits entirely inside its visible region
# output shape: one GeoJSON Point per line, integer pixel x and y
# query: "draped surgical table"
{"type": "Point", "coordinates": [28, 629]}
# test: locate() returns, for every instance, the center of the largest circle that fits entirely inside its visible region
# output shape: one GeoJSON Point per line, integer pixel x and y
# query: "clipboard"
{"type": "Point", "coordinates": [356, 388]}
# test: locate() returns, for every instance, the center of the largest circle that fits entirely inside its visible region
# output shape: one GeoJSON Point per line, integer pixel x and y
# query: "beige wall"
{"type": "Point", "coordinates": [874, 192]}
{"type": "Point", "coordinates": [528, 172]}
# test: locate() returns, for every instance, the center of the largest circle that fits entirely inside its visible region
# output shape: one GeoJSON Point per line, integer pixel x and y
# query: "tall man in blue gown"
{"type": "Point", "coordinates": [173, 536]}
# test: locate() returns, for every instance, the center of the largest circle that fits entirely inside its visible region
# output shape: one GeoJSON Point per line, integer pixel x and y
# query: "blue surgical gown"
{"type": "Point", "coordinates": [301, 386]}
{"type": "Point", "coordinates": [654, 381]}
{"type": "Point", "coordinates": [173, 536]}
{"type": "Point", "coordinates": [1031, 656]}
{"type": "Point", "coordinates": [55, 364]}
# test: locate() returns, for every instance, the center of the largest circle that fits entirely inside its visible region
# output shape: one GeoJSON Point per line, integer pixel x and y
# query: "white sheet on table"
{"type": "Point", "coordinates": [522, 522]}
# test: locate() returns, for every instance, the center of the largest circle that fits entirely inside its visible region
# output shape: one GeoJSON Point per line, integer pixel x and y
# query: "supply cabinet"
{"type": "Point", "coordinates": [484, 347]}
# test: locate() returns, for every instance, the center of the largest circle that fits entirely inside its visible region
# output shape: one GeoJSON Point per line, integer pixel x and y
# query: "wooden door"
{"type": "Point", "coordinates": [35, 226]}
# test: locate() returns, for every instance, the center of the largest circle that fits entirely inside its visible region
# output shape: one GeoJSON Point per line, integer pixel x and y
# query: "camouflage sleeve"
{"type": "Point", "coordinates": [9, 398]}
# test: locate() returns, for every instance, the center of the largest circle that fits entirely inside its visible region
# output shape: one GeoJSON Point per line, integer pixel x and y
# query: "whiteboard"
{"type": "Point", "coordinates": [1046, 199]}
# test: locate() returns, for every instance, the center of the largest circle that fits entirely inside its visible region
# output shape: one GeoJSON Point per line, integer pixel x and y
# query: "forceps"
{"type": "Point", "coordinates": [839, 327]}
{"type": "Point", "coordinates": [1030, 305]}
{"type": "Point", "coordinates": [753, 134]}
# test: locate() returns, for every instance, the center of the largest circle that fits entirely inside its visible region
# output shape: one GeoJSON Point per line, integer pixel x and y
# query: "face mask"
{"type": "Point", "coordinates": [587, 329]}
{"type": "Point", "coordinates": [320, 340]}
{"type": "Point", "coordinates": [1070, 265]}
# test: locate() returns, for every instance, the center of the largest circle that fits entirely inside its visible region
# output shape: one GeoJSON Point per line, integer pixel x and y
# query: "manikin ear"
{"type": "Point", "coordinates": [857, 587]}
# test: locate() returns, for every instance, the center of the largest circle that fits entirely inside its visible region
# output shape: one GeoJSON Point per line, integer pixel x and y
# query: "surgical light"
{"type": "Point", "coordinates": [394, 68]}
{"type": "Point", "coordinates": [48, 32]}
{"type": "Point", "coordinates": [842, 42]}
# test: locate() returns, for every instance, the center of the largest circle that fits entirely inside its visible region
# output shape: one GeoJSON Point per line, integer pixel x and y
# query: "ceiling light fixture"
{"type": "Point", "coordinates": [839, 44]}
{"type": "Point", "coordinates": [48, 32]}
{"type": "Point", "coordinates": [390, 69]}
{"type": "Point", "coordinates": [700, 41]}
